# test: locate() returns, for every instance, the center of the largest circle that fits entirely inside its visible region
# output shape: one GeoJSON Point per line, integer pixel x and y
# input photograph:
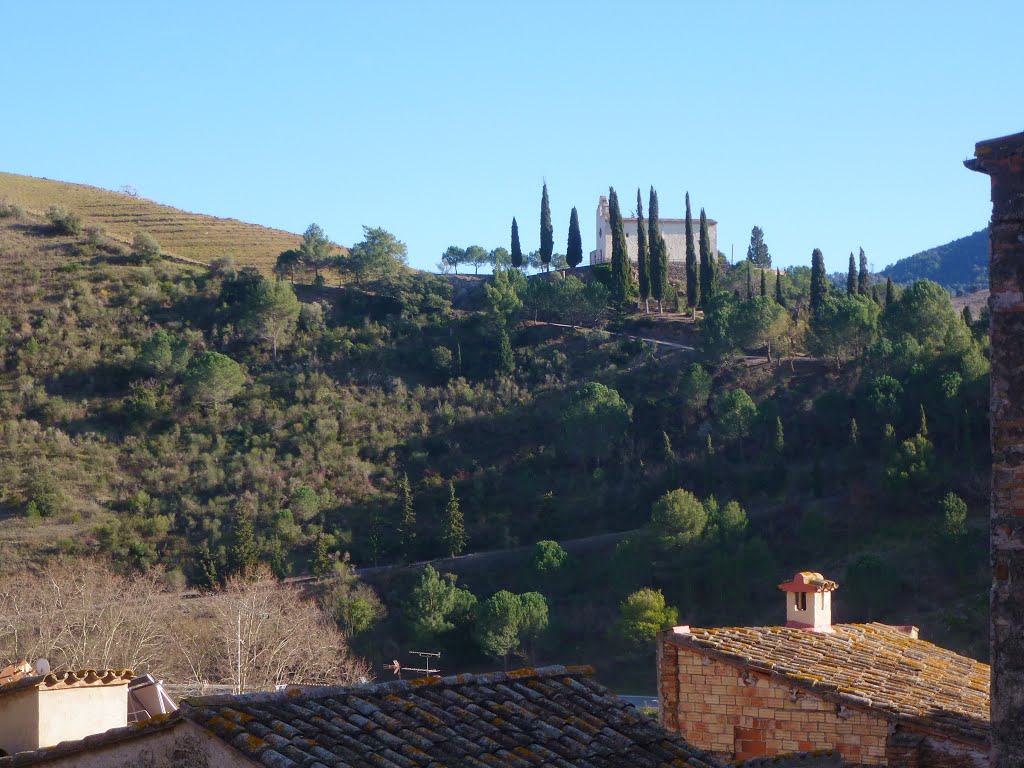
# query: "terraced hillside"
{"type": "Point", "coordinates": [188, 235]}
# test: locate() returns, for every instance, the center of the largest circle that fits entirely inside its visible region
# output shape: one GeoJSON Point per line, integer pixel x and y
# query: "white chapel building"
{"type": "Point", "coordinates": [673, 230]}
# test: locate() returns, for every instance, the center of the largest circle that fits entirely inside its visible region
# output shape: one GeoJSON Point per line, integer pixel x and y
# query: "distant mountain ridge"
{"type": "Point", "coordinates": [960, 265]}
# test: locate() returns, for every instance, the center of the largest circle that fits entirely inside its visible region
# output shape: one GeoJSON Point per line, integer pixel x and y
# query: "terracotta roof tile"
{"type": "Point", "coordinates": [77, 679]}
{"type": "Point", "coordinates": [873, 666]}
{"type": "Point", "coordinates": [554, 716]}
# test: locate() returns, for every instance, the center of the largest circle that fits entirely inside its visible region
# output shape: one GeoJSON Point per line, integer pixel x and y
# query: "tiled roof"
{"type": "Point", "coordinates": [555, 716]}
{"type": "Point", "coordinates": [866, 666]}
{"type": "Point", "coordinates": [81, 678]}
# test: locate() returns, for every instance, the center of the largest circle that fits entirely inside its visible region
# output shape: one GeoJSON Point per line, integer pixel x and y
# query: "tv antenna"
{"type": "Point", "coordinates": [425, 657]}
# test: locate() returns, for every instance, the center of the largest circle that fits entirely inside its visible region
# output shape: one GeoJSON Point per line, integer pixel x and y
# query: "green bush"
{"type": "Point", "coordinates": [9, 210]}
{"type": "Point", "coordinates": [63, 221]}
{"type": "Point", "coordinates": [145, 248]}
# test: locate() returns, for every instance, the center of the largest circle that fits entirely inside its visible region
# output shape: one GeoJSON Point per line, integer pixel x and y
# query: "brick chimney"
{"type": "Point", "coordinates": [809, 602]}
{"type": "Point", "coordinates": [1003, 160]}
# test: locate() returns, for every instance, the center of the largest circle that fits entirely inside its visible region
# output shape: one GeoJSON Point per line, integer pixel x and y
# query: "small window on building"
{"type": "Point", "coordinates": [800, 601]}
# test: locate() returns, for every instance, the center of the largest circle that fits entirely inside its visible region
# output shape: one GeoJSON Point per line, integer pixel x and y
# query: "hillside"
{"type": "Point", "coordinates": [188, 235]}
{"type": "Point", "coordinates": [961, 265]}
{"type": "Point", "coordinates": [165, 416]}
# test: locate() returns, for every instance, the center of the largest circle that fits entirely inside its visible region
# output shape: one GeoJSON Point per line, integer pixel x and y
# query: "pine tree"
{"type": "Point", "coordinates": [750, 283]}
{"type": "Point", "coordinates": [517, 251]}
{"type": "Point", "coordinates": [622, 273]}
{"type": "Point", "coordinates": [658, 251]}
{"type": "Point", "coordinates": [780, 297]}
{"type": "Point", "coordinates": [454, 534]}
{"type": "Point", "coordinates": [764, 283]}
{"type": "Point", "coordinates": [890, 292]}
{"type": "Point", "coordinates": [757, 251]}
{"type": "Point", "coordinates": [692, 274]}
{"type": "Point", "coordinates": [547, 233]}
{"type": "Point", "coordinates": [819, 280]}
{"type": "Point", "coordinates": [851, 277]}
{"type": "Point", "coordinates": [506, 358]}
{"type": "Point", "coordinates": [574, 248]}
{"type": "Point", "coordinates": [708, 276]}
{"type": "Point", "coordinates": [407, 528]}
{"type": "Point", "coordinates": [642, 262]}
{"type": "Point", "coordinates": [320, 563]}
{"type": "Point", "coordinates": [863, 278]}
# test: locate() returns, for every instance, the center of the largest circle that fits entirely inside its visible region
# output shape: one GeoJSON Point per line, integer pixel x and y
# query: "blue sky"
{"type": "Point", "coordinates": [831, 125]}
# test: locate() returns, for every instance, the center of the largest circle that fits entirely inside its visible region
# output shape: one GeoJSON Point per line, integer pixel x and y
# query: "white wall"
{"type": "Point", "coordinates": [673, 230]}
{"type": "Point", "coordinates": [19, 720]}
{"type": "Point", "coordinates": [68, 714]}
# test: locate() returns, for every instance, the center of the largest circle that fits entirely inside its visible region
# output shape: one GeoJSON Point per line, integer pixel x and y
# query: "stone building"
{"type": "Point", "coordinates": [877, 694]}
{"type": "Point", "coordinates": [673, 230]}
{"type": "Point", "coordinates": [1003, 160]}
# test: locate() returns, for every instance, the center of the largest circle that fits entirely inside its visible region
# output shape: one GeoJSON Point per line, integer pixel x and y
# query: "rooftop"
{"type": "Point", "coordinates": [80, 679]}
{"type": "Point", "coordinates": [877, 667]}
{"type": "Point", "coordinates": [554, 716]}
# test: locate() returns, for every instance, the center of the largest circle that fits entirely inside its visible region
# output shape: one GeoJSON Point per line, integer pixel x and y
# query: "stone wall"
{"type": "Point", "coordinates": [741, 715]}
{"type": "Point", "coordinates": [1003, 160]}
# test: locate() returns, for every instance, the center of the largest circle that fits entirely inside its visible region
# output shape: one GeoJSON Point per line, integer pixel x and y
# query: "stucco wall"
{"type": "Point", "coordinates": [19, 720]}
{"type": "Point", "coordinates": [68, 714]}
{"type": "Point", "coordinates": [672, 230]}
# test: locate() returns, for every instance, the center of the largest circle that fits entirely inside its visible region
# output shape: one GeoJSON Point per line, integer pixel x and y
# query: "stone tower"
{"type": "Point", "coordinates": [1003, 160]}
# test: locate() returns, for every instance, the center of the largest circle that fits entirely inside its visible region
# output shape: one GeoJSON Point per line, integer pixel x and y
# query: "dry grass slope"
{"type": "Point", "coordinates": [188, 235]}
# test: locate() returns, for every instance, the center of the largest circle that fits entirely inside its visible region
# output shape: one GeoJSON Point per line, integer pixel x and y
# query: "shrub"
{"type": "Point", "coordinates": [145, 247]}
{"type": "Point", "coordinates": [63, 221]}
{"type": "Point", "coordinates": [9, 210]}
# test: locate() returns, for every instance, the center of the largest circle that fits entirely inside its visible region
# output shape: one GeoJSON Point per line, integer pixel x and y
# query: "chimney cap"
{"type": "Point", "coordinates": [808, 581]}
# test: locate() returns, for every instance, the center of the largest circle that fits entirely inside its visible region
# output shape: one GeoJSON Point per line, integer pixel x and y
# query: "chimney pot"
{"type": "Point", "coordinates": [809, 601]}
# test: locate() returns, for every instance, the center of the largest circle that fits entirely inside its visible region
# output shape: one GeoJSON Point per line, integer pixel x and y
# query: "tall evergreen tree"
{"type": "Point", "coordinates": [708, 268]}
{"type": "Point", "coordinates": [622, 272]}
{"type": "Point", "coordinates": [757, 251]}
{"type": "Point", "coordinates": [517, 251]}
{"type": "Point", "coordinates": [764, 283]}
{"type": "Point", "coordinates": [320, 563]}
{"type": "Point", "coordinates": [750, 282]}
{"type": "Point", "coordinates": [819, 280]}
{"type": "Point", "coordinates": [890, 292]}
{"type": "Point", "coordinates": [574, 248]}
{"type": "Point", "coordinates": [407, 528]}
{"type": "Point", "coordinates": [643, 264]}
{"type": "Point", "coordinates": [851, 277]}
{"type": "Point", "coordinates": [692, 275]}
{"type": "Point", "coordinates": [779, 443]}
{"type": "Point", "coordinates": [547, 233]}
{"type": "Point", "coordinates": [968, 316]}
{"type": "Point", "coordinates": [863, 276]}
{"type": "Point", "coordinates": [874, 295]}
{"type": "Point", "coordinates": [244, 555]}
{"type": "Point", "coordinates": [780, 297]}
{"type": "Point", "coordinates": [453, 536]}
{"type": "Point", "coordinates": [506, 359]}
{"type": "Point", "coordinates": [658, 251]}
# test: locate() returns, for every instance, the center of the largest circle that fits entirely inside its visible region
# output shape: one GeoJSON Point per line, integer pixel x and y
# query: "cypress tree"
{"type": "Point", "coordinates": [547, 233]}
{"type": "Point", "coordinates": [890, 292]}
{"type": "Point", "coordinates": [517, 251]}
{"type": "Point", "coordinates": [780, 297]}
{"type": "Point", "coordinates": [506, 359]}
{"type": "Point", "coordinates": [708, 278]}
{"type": "Point", "coordinates": [819, 280]}
{"type": "Point", "coordinates": [764, 283]}
{"type": "Point", "coordinates": [320, 564]}
{"type": "Point", "coordinates": [622, 273]}
{"type": "Point", "coordinates": [854, 433]}
{"type": "Point", "coordinates": [851, 277]}
{"type": "Point", "coordinates": [642, 262]}
{"type": "Point", "coordinates": [407, 528]}
{"type": "Point", "coordinates": [692, 275]}
{"type": "Point", "coordinates": [244, 555]}
{"type": "Point", "coordinates": [968, 316]}
{"type": "Point", "coordinates": [750, 282]}
{"type": "Point", "coordinates": [779, 444]}
{"type": "Point", "coordinates": [863, 278]}
{"type": "Point", "coordinates": [874, 295]}
{"type": "Point", "coordinates": [658, 251]}
{"type": "Point", "coordinates": [574, 248]}
{"type": "Point", "coordinates": [454, 534]}
{"type": "Point", "coordinates": [375, 537]}
{"type": "Point", "coordinates": [922, 428]}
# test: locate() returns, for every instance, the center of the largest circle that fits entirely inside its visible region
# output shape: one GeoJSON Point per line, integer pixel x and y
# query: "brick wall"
{"type": "Point", "coordinates": [715, 708]}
